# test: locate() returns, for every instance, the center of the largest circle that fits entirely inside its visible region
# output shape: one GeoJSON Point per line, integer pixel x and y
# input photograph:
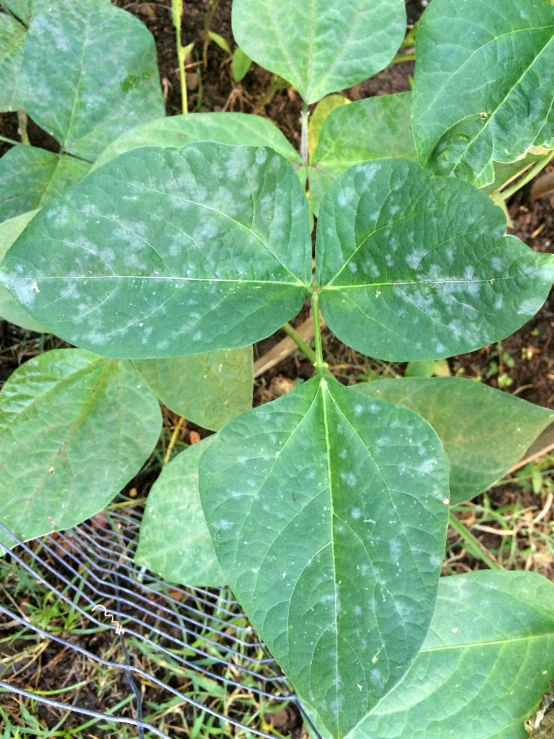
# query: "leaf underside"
{"type": "Point", "coordinates": [74, 429]}
{"type": "Point", "coordinates": [327, 512]}
{"type": "Point", "coordinates": [484, 666]}
{"type": "Point", "coordinates": [208, 389]}
{"type": "Point", "coordinates": [417, 267]}
{"type": "Point", "coordinates": [483, 431]}
{"type": "Point", "coordinates": [484, 84]}
{"type": "Point", "coordinates": [174, 538]}
{"type": "Point", "coordinates": [167, 252]}
{"type": "Point", "coordinates": [320, 46]}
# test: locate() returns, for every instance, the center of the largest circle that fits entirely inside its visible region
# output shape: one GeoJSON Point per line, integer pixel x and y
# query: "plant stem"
{"type": "Point", "coordinates": [177, 12]}
{"type": "Point", "coordinates": [304, 139]}
{"type": "Point", "coordinates": [410, 57]}
{"type": "Point", "coordinates": [306, 350]}
{"type": "Point", "coordinates": [320, 366]}
{"type": "Point", "coordinates": [173, 439]}
{"type": "Point", "coordinates": [10, 141]}
{"type": "Point", "coordinates": [501, 197]}
{"type": "Point", "coordinates": [473, 545]}
{"type": "Point", "coordinates": [22, 127]}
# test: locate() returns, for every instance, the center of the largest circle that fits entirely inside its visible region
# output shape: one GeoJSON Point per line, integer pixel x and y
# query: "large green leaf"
{"type": "Point", "coordinates": [74, 429]}
{"type": "Point", "coordinates": [327, 512]}
{"type": "Point", "coordinates": [321, 112]}
{"type": "Point", "coordinates": [168, 252]}
{"type": "Point", "coordinates": [207, 389]}
{"type": "Point", "coordinates": [320, 46]}
{"type": "Point", "coordinates": [484, 83]}
{"type": "Point", "coordinates": [224, 128]}
{"type": "Point", "coordinates": [484, 667]}
{"type": "Point", "coordinates": [30, 177]}
{"type": "Point", "coordinates": [10, 309]}
{"type": "Point", "coordinates": [483, 431]}
{"type": "Point", "coordinates": [20, 8]}
{"type": "Point", "coordinates": [174, 538]}
{"type": "Point", "coordinates": [375, 128]}
{"type": "Point", "coordinates": [417, 267]}
{"type": "Point", "coordinates": [12, 39]}
{"type": "Point", "coordinates": [89, 73]}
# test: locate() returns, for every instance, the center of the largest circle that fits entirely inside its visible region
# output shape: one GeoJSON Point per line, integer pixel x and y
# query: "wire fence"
{"type": "Point", "coordinates": [204, 657]}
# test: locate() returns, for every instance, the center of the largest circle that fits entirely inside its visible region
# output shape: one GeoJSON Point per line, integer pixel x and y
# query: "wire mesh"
{"type": "Point", "coordinates": [198, 641]}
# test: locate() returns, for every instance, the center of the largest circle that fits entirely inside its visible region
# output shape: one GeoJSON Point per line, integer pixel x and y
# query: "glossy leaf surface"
{"type": "Point", "coordinates": [74, 429]}
{"type": "Point", "coordinates": [238, 129]}
{"type": "Point", "coordinates": [12, 39]}
{"type": "Point", "coordinates": [320, 46]}
{"type": "Point", "coordinates": [484, 84]}
{"type": "Point", "coordinates": [376, 128]}
{"type": "Point", "coordinates": [10, 309]}
{"type": "Point", "coordinates": [207, 389]}
{"type": "Point", "coordinates": [187, 557]}
{"type": "Point", "coordinates": [167, 252]}
{"type": "Point", "coordinates": [485, 664]}
{"type": "Point", "coordinates": [483, 431]}
{"type": "Point", "coordinates": [417, 267]}
{"type": "Point", "coordinates": [30, 177]}
{"type": "Point", "coordinates": [98, 63]}
{"type": "Point", "coordinates": [328, 518]}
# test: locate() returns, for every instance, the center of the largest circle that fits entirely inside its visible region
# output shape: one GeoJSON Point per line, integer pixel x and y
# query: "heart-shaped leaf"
{"type": "Point", "coordinates": [74, 429]}
{"type": "Point", "coordinates": [327, 512]}
{"type": "Point", "coordinates": [167, 252]}
{"type": "Point", "coordinates": [320, 46]}
{"type": "Point", "coordinates": [376, 128]}
{"type": "Point", "coordinates": [484, 84]}
{"type": "Point", "coordinates": [483, 431]}
{"type": "Point", "coordinates": [415, 267]}
{"type": "Point", "coordinates": [484, 667]}
{"type": "Point", "coordinates": [237, 129]}
{"type": "Point", "coordinates": [89, 72]}
{"type": "Point", "coordinates": [12, 39]}
{"type": "Point", "coordinates": [174, 506]}
{"type": "Point", "coordinates": [30, 177]}
{"type": "Point", "coordinates": [207, 389]}
{"type": "Point", "coordinates": [10, 309]}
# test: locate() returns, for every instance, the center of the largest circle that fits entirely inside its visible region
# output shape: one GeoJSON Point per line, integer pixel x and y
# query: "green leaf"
{"type": "Point", "coordinates": [207, 389]}
{"type": "Point", "coordinates": [483, 431]}
{"type": "Point", "coordinates": [328, 518]}
{"type": "Point", "coordinates": [322, 111]}
{"type": "Point", "coordinates": [187, 556]}
{"type": "Point", "coordinates": [30, 177]}
{"type": "Point", "coordinates": [74, 429]}
{"type": "Point", "coordinates": [417, 267]}
{"type": "Point", "coordinates": [375, 128]}
{"type": "Point", "coordinates": [10, 309]}
{"type": "Point", "coordinates": [320, 46]}
{"type": "Point", "coordinates": [506, 173]}
{"type": "Point", "coordinates": [238, 129]}
{"type": "Point", "coordinates": [420, 369]}
{"type": "Point", "coordinates": [12, 39]}
{"type": "Point", "coordinates": [484, 667]}
{"type": "Point", "coordinates": [167, 252]}
{"type": "Point", "coordinates": [220, 41]}
{"type": "Point", "coordinates": [241, 64]}
{"type": "Point", "coordinates": [484, 83]}
{"type": "Point", "coordinates": [20, 8]}
{"type": "Point", "coordinates": [89, 73]}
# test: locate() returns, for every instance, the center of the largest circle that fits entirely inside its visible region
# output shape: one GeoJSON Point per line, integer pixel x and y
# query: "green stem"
{"type": "Point", "coordinates": [22, 127]}
{"type": "Point", "coordinates": [410, 57]}
{"type": "Point", "coordinates": [472, 544]}
{"type": "Point", "coordinates": [10, 141]}
{"type": "Point", "coordinates": [177, 11]}
{"type": "Point", "coordinates": [306, 350]}
{"type": "Point", "coordinates": [320, 366]}
{"type": "Point", "coordinates": [304, 139]}
{"type": "Point", "coordinates": [501, 197]}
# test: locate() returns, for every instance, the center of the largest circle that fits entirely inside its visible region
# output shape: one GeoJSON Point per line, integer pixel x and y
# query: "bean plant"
{"type": "Point", "coordinates": [164, 248]}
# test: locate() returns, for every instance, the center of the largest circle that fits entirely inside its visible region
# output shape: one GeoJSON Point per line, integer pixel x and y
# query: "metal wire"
{"type": "Point", "coordinates": [192, 631]}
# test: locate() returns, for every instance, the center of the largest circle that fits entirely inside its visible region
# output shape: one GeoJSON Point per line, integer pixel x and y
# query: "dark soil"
{"type": "Point", "coordinates": [211, 88]}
